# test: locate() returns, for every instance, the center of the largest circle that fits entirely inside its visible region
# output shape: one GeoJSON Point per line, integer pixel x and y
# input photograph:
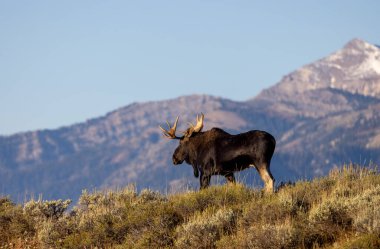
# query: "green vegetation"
{"type": "Point", "coordinates": [340, 210]}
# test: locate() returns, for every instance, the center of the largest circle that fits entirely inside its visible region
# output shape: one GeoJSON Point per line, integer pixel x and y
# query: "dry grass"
{"type": "Point", "coordinates": [336, 211]}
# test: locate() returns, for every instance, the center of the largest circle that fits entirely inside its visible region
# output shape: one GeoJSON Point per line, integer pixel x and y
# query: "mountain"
{"type": "Point", "coordinates": [337, 104]}
{"type": "Point", "coordinates": [323, 115]}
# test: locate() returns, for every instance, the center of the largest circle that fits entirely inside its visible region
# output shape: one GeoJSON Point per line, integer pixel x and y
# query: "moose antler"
{"type": "Point", "coordinates": [195, 128]}
{"type": "Point", "coordinates": [171, 132]}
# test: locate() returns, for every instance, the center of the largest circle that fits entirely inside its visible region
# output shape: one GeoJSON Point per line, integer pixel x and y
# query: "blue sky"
{"type": "Point", "coordinates": [62, 62]}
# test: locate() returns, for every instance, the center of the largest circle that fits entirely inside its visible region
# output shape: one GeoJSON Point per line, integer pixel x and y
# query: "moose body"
{"type": "Point", "coordinates": [216, 152]}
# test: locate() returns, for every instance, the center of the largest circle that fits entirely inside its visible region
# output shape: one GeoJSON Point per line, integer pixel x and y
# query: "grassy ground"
{"type": "Point", "coordinates": [337, 211]}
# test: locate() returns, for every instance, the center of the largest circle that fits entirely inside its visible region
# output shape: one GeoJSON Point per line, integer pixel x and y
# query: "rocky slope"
{"type": "Point", "coordinates": [324, 114]}
{"type": "Point", "coordinates": [337, 102]}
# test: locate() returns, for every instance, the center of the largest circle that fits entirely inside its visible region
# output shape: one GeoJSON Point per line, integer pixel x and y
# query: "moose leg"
{"type": "Point", "coordinates": [196, 172]}
{"type": "Point", "coordinates": [205, 180]}
{"type": "Point", "coordinates": [230, 177]}
{"type": "Point", "coordinates": [267, 177]}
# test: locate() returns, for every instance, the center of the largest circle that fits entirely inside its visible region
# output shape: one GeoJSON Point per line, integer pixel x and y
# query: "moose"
{"type": "Point", "coordinates": [216, 152]}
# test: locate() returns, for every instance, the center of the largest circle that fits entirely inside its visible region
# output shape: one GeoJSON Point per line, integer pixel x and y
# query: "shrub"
{"type": "Point", "coordinates": [151, 225]}
{"type": "Point", "coordinates": [233, 196]}
{"type": "Point", "coordinates": [204, 229]}
{"type": "Point", "coordinates": [365, 210]}
{"type": "Point", "coordinates": [43, 210]}
{"type": "Point", "coordinates": [267, 236]}
{"type": "Point", "coordinates": [340, 210]}
{"type": "Point", "coordinates": [332, 213]}
{"type": "Point", "coordinates": [49, 219]}
{"type": "Point", "coordinates": [366, 241]}
{"type": "Point", "coordinates": [14, 225]}
{"type": "Point", "coordinates": [148, 195]}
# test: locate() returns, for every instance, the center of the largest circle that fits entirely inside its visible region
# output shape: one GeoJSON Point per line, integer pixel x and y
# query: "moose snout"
{"type": "Point", "coordinates": [176, 161]}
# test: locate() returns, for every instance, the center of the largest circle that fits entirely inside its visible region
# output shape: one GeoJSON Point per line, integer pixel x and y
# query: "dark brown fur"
{"type": "Point", "coordinates": [216, 152]}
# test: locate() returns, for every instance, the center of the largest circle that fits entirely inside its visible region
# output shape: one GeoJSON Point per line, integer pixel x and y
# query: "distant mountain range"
{"type": "Point", "coordinates": [323, 115]}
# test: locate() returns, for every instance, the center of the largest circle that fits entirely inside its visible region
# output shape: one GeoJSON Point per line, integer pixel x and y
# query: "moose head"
{"type": "Point", "coordinates": [181, 153]}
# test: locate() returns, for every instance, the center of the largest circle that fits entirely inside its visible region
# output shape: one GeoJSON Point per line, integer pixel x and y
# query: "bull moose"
{"type": "Point", "coordinates": [216, 152]}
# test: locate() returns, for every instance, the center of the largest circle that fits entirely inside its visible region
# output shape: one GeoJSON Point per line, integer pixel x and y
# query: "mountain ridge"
{"type": "Point", "coordinates": [317, 127]}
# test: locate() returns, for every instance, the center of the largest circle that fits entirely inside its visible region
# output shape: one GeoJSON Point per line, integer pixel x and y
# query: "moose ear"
{"type": "Point", "coordinates": [188, 133]}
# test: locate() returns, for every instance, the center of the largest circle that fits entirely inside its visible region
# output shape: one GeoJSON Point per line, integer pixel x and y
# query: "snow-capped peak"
{"type": "Point", "coordinates": [355, 68]}
{"type": "Point", "coordinates": [357, 59]}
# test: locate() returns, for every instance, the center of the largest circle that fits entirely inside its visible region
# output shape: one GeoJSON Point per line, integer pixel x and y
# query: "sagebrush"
{"type": "Point", "coordinates": [340, 210]}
